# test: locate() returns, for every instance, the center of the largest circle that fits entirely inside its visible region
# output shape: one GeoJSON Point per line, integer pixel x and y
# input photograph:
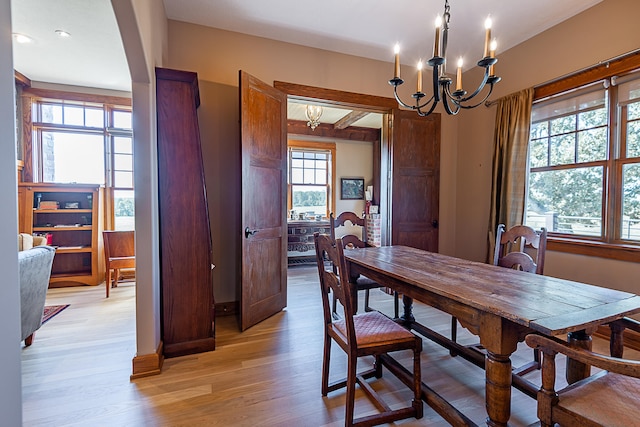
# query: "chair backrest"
{"type": "Point", "coordinates": [511, 248]}
{"type": "Point", "coordinates": [349, 239]}
{"type": "Point", "coordinates": [119, 244]}
{"type": "Point", "coordinates": [335, 282]}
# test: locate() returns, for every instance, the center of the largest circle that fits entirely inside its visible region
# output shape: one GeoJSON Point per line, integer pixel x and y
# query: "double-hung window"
{"type": "Point", "coordinates": [86, 143]}
{"type": "Point", "coordinates": [311, 174]}
{"type": "Point", "coordinates": [584, 164]}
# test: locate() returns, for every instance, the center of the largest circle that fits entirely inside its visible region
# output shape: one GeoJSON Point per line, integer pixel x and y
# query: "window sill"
{"type": "Point", "coordinates": [620, 252]}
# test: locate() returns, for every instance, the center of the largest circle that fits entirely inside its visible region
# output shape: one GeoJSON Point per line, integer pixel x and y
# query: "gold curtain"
{"type": "Point", "coordinates": [511, 139]}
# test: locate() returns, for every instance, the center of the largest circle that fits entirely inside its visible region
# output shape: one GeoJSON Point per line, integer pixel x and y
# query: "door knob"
{"type": "Point", "coordinates": [248, 232]}
{"type": "Point", "coordinates": [434, 223]}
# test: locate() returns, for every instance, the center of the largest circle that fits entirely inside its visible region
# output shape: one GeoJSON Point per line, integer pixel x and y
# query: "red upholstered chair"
{"type": "Point", "coordinates": [119, 252]}
{"type": "Point", "coordinates": [608, 398]}
{"type": "Point", "coordinates": [366, 334]}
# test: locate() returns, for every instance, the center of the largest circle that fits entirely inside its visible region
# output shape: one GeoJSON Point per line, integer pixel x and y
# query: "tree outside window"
{"type": "Point", "coordinates": [584, 171]}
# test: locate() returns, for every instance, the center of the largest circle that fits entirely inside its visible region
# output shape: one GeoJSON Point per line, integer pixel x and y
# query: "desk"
{"type": "Point", "coordinates": [499, 305]}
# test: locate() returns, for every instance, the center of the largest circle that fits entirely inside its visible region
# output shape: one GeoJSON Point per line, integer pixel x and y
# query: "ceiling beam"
{"type": "Point", "coordinates": [325, 130]}
{"type": "Point", "coordinates": [349, 119]}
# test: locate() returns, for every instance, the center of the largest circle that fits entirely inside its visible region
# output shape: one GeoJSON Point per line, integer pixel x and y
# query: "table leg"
{"type": "Point", "coordinates": [616, 344]}
{"type": "Point", "coordinates": [578, 370]}
{"type": "Point", "coordinates": [498, 388]}
{"type": "Point", "coordinates": [354, 294]}
{"type": "Point", "coordinates": [500, 338]}
{"type": "Point", "coordinates": [407, 316]}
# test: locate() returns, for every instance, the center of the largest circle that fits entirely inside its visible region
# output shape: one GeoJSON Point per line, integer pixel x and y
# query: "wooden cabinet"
{"type": "Point", "coordinates": [300, 246]}
{"type": "Point", "coordinates": [71, 216]}
{"type": "Point", "coordinates": [186, 279]}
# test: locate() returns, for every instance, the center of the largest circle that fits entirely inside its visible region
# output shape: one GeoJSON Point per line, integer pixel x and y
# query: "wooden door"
{"type": "Point", "coordinates": [415, 179]}
{"type": "Point", "coordinates": [263, 127]}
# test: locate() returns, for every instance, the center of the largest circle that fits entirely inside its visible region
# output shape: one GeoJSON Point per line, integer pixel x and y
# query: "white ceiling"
{"type": "Point", "coordinates": [94, 55]}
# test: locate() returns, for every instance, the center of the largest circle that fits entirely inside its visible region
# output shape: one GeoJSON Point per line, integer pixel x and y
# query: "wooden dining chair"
{"type": "Point", "coordinates": [610, 397]}
{"type": "Point", "coordinates": [119, 252]}
{"type": "Point", "coordinates": [512, 245]}
{"type": "Point", "coordinates": [512, 250]}
{"type": "Point", "coordinates": [350, 240]}
{"type": "Point", "coordinates": [366, 334]}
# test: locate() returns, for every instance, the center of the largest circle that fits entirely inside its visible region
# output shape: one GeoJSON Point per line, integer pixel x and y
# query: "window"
{"type": "Point", "coordinates": [311, 175]}
{"type": "Point", "coordinates": [76, 141]}
{"type": "Point", "coordinates": [584, 163]}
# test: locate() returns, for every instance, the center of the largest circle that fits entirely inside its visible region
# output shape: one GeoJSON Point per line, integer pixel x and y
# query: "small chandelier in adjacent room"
{"type": "Point", "coordinates": [452, 101]}
{"type": "Point", "coordinates": [313, 113]}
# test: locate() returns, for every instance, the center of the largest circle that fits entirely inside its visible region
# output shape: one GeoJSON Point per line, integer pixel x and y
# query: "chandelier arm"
{"type": "Point", "coordinates": [483, 83]}
{"type": "Point", "coordinates": [405, 105]}
{"type": "Point", "coordinates": [466, 107]}
{"type": "Point", "coordinates": [445, 102]}
{"type": "Point", "coordinates": [433, 106]}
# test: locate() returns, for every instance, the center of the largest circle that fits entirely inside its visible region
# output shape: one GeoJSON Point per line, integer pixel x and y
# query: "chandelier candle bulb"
{"type": "Point", "coordinates": [492, 54]}
{"type": "Point", "coordinates": [396, 51]}
{"type": "Point", "coordinates": [459, 75]}
{"type": "Point", "coordinates": [436, 43]}
{"type": "Point", "coordinates": [487, 38]}
{"type": "Point", "coordinates": [419, 87]}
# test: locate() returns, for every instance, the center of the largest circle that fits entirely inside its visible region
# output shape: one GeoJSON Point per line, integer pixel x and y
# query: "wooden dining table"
{"type": "Point", "coordinates": [499, 305]}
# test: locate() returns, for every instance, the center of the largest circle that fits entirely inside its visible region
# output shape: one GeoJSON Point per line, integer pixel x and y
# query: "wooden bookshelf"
{"type": "Point", "coordinates": [75, 227]}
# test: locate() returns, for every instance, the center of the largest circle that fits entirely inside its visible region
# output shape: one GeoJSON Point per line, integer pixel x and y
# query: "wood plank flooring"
{"type": "Point", "coordinates": [76, 373]}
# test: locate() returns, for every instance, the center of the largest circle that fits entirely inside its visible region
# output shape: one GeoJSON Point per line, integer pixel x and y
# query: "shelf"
{"type": "Point", "coordinates": [74, 274]}
{"type": "Point", "coordinates": [69, 228]}
{"type": "Point", "coordinates": [72, 249]}
{"type": "Point", "coordinates": [53, 211]}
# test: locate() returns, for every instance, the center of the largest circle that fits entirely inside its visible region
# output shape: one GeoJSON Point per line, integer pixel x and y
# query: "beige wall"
{"type": "Point", "coordinates": [604, 31]}
{"type": "Point", "coordinates": [143, 27]}
{"type": "Point", "coordinates": [354, 160]}
{"type": "Point", "coordinates": [466, 153]}
{"type": "Point", "coordinates": [217, 56]}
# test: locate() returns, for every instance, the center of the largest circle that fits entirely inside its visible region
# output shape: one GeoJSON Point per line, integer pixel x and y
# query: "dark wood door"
{"type": "Point", "coordinates": [263, 127]}
{"type": "Point", "coordinates": [415, 179]}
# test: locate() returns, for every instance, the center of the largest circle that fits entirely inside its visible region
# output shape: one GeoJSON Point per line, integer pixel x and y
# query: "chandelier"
{"type": "Point", "coordinates": [313, 113]}
{"type": "Point", "coordinates": [452, 101]}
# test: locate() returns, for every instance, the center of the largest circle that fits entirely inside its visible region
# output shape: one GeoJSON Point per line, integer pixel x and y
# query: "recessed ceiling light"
{"type": "Point", "coordinates": [63, 33]}
{"type": "Point", "coordinates": [21, 38]}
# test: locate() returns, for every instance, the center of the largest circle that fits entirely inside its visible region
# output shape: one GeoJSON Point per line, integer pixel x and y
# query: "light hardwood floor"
{"type": "Point", "coordinates": [76, 373]}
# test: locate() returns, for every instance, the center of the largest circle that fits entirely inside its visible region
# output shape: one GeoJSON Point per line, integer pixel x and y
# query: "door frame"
{"type": "Point", "coordinates": [373, 103]}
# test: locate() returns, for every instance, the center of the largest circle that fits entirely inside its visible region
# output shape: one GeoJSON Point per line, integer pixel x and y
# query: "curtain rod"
{"type": "Point", "coordinates": [605, 62]}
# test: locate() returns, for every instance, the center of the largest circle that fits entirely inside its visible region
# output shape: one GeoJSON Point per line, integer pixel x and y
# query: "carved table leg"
{"type": "Point", "coordinates": [578, 370]}
{"type": "Point", "coordinates": [407, 316]}
{"type": "Point", "coordinates": [498, 388]}
{"type": "Point", "coordinates": [500, 338]}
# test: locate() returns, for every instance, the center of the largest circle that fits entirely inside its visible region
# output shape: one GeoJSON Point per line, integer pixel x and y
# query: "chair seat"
{"type": "Point", "coordinates": [618, 401]}
{"type": "Point", "coordinates": [374, 328]}
{"type": "Point", "coordinates": [122, 262]}
{"type": "Point", "coordinates": [366, 283]}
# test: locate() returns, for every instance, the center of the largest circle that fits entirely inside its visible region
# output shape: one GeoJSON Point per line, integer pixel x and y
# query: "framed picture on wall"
{"type": "Point", "coordinates": [351, 188]}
